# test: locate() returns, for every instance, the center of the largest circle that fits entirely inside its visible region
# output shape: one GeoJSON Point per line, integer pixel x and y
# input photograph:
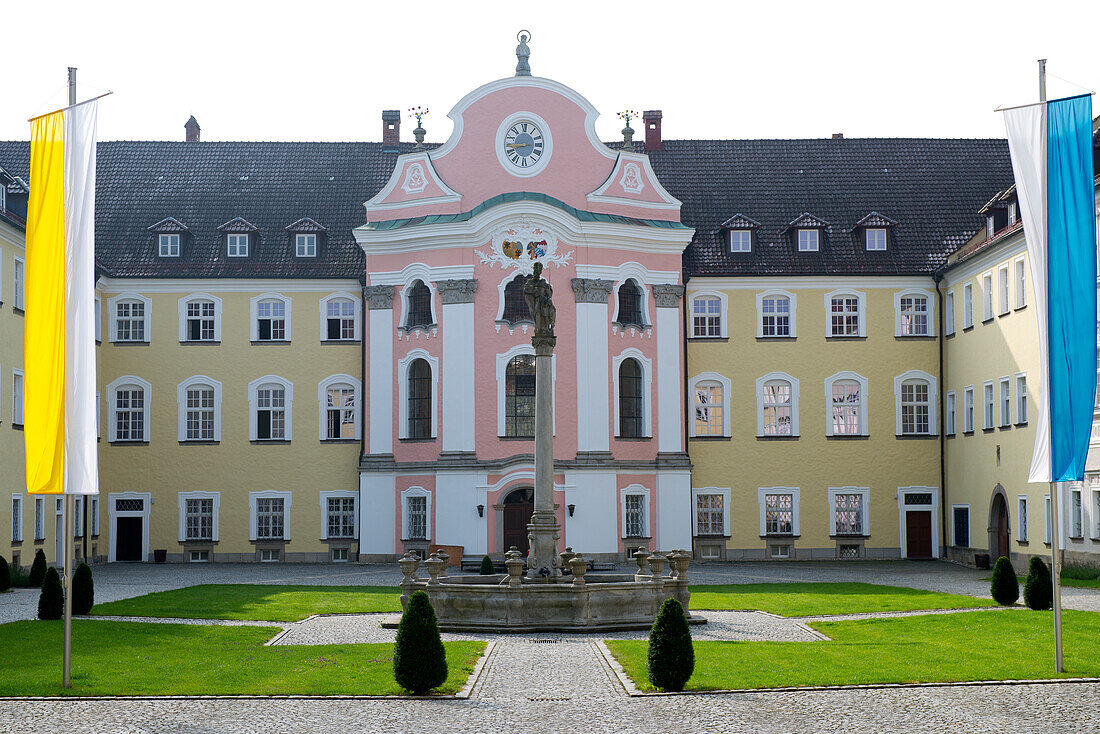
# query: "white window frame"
{"type": "Point", "coordinates": [19, 283]}
{"type": "Point", "coordinates": [647, 396]}
{"type": "Point", "coordinates": [181, 502]}
{"type": "Point", "coordinates": [846, 376]}
{"type": "Point", "coordinates": [949, 312]}
{"type": "Point", "coordinates": [181, 405]}
{"type": "Point", "coordinates": [1004, 287]}
{"type": "Point", "coordinates": [93, 513]}
{"type": "Point", "coordinates": [1094, 507]}
{"type": "Point", "coordinates": [929, 312]}
{"type": "Point", "coordinates": [744, 237]}
{"type": "Point", "coordinates": [792, 321]}
{"type": "Point", "coordinates": [1019, 271]}
{"type": "Point", "coordinates": [403, 366]}
{"type": "Point", "coordinates": [112, 318]}
{"type": "Point", "coordinates": [416, 492]}
{"type": "Point", "coordinates": [874, 247]}
{"type": "Point", "coordinates": [726, 385]}
{"type": "Point", "coordinates": [17, 517]}
{"type": "Point", "coordinates": [968, 409]}
{"type": "Point", "coordinates": [1021, 398]}
{"type": "Point", "coordinates": [762, 492]}
{"type": "Point", "coordinates": [1021, 518]}
{"type": "Point", "coordinates": [182, 307]}
{"type": "Point", "coordinates": [726, 493]}
{"type": "Point", "coordinates": [1046, 519]}
{"type": "Point", "coordinates": [252, 518]}
{"type": "Point", "coordinates": [760, 382]}
{"type": "Point", "coordinates": [502, 361]}
{"type": "Point", "coordinates": [968, 305]}
{"type": "Point", "coordinates": [723, 332]}
{"type": "Point", "coordinates": [237, 244]}
{"type": "Point", "coordinates": [865, 493]}
{"type": "Point", "coordinates": [1004, 401]}
{"type": "Point", "coordinates": [647, 525]}
{"type": "Point", "coordinates": [39, 518]}
{"type": "Point", "coordinates": [18, 401]}
{"type": "Point", "coordinates": [933, 416]}
{"type": "Point", "coordinates": [861, 305]}
{"type": "Point", "coordinates": [987, 296]}
{"type": "Point", "coordinates": [168, 244]}
{"type": "Point", "coordinates": [812, 240]}
{"type": "Point", "coordinates": [322, 404]}
{"type": "Point", "coordinates": [98, 319]}
{"type": "Point", "coordinates": [288, 388]}
{"type": "Point", "coordinates": [112, 424]}
{"type": "Point", "coordinates": [112, 514]}
{"type": "Point", "coordinates": [1075, 513]}
{"type": "Point", "coordinates": [357, 313]}
{"type": "Point", "coordinates": [989, 405]}
{"type": "Point", "coordinates": [254, 316]}
{"type": "Point", "coordinates": [949, 414]}
{"type": "Point", "coordinates": [303, 243]}
{"type": "Point", "coordinates": [339, 494]}
{"type": "Point", "coordinates": [78, 516]}
{"type": "Point", "coordinates": [954, 540]}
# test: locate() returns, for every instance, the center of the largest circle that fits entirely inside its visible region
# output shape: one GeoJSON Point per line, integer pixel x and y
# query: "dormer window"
{"type": "Point", "coordinates": [1012, 212]}
{"type": "Point", "coordinates": [990, 227]}
{"type": "Point", "coordinates": [237, 243]}
{"type": "Point", "coordinates": [305, 244]}
{"type": "Point", "coordinates": [875, 231]}
{"type": "Point", "coordinates": [805, 232]}
{"type": "Point", "coordinates": [808, 240]}
{"type": "Point", "coordinates": [876, 238]}
{"type": "Point", "coordinates": [740, 240]}
{"type": "Point", "coordinates": [169, 245]}
{"type": "Point", "coordinates": [3, 198]}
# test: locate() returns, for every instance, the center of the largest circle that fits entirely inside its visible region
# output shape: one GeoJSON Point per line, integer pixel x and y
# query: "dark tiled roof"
{"type": "Point", "coordinates": [805, 221]}
{"type": "Point", "coordinates": [740, 221]}
{"type": "Point", "coordinates": [169, 224]}
{"type": "Point", "coordinates": [932, 188]}
{"type": "Point", "coordinates": [874, 219]}
{"type": "Point", "coordinates": [306, 224]}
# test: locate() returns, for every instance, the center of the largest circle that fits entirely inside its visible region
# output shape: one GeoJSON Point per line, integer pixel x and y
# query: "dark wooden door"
{"type": "Point", "coordinates": [128, 539]}
{"type": "Point", "coordinates": [1002, 530]}
{"type": "Point", "coordinates": [518, 508]}
{"type": "Point", "coordinates": [918, 534]}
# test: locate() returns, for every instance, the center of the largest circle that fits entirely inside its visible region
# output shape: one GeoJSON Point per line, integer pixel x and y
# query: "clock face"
{"type": "Point", "coordinates": [523, 144]}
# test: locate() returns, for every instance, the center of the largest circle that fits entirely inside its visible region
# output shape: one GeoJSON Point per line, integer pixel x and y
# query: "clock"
{"type": "Point", "coordinates": [524, 144]}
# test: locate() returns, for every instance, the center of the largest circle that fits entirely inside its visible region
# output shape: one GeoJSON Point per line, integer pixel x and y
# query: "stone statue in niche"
{"type": "Point", "coordinates": [539, 295]}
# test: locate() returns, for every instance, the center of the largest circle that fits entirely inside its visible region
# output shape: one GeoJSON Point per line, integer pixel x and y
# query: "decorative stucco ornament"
{"type": "Point", "coordinates": [521, 246]}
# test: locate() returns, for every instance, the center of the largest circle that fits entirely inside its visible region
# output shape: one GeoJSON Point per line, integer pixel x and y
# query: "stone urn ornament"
{"type": "Point", "coordinates": [435, 565]}
{"type": "Point", "coordinates": [641, 557]}
{"type": "Point", "coordinates": [418, 132]}
{"type": "Point", "coordinates": [656, 566]}
{"type": "Point", "coordinates": [408, 563]}
{"type": "Point", "coordinates": [445, 557]}
{"type": "Point", "coordinates": [579, 566]}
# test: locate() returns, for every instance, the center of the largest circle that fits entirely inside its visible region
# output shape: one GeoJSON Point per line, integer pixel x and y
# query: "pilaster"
{"type": "Point", "coordinates": [670, 422]}
{"type": "Point", "coordinates": [593, 376]}
{"type": "Point", "coordinates": [379, 299]}
{"type": "Point", "coordinates": [457, 384]}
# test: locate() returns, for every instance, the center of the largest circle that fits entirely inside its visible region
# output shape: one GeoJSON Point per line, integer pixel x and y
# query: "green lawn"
{"type": "Point", "coordinates": [930, 648]}
{"type": "Point", "coordinates": [804, 599]}
{"type": "Point", "coordinates": [133, 658]}
{"type": "Point", "coordinates": [257, 602]}
{"type": "Point", "coordinates": [1079, 583]}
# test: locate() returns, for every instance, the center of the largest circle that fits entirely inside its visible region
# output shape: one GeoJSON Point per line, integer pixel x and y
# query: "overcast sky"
{"type": "Point", "coordinates": [324, 70]}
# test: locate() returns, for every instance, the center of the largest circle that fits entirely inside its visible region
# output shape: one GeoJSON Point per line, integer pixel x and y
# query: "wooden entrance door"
{"type": "Point", "coordinates": [128, 531]}
{"type": "Point", "coordinates": [999, 541]}
{"type": "Point", "coordinates": [518, 508]}
{"type": "Point", "coordinates": [918, 534]}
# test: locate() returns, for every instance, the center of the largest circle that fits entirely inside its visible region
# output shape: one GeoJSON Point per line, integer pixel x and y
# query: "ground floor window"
{"type": "Point", "coordinates": [778, 514]}
{"type": "Point", "coordinates": [269, 517]}
{"type": "Point", "coordinates": [417, 517]}
{"type": "Point", "coordinates": [709, 514]}
{"type": "Point", "coordinates": [341, 517]}
{"type": "Point", "coordinates": [634, 505]}
{"type": "Point", "coordinates": [200, 519]}
{"type": "Point", "coordinates": [848, 513]}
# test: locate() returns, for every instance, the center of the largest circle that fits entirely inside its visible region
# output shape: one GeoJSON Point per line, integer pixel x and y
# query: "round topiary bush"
{"type": "Point", "coordinates": [1004, 588]}
{"type": "Point", "coordinates": [1039, 587]}
{"type": "Point", "coordinates": [83, 590]}
{"type": "Point", "coordinates": [51, 602]}
{"type": "Point", "coordinates": [5, 574]}
{"type": "Point", "coordinates": [487, 566]}
{"type": "Point", "coordinates": [38, 570]}
{"type": "Point", "coordinates": [419, 660]}
{"type": "Point", "coordinates": [671, 658]}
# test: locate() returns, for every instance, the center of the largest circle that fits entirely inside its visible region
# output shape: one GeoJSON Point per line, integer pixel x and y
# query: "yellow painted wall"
{"type": "Point", "coordinates": [813, 462]}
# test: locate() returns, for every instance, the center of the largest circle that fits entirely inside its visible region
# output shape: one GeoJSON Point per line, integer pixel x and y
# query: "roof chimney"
{"type": "Point", "coordinates": [652, 120]}
{"type": "Point", "coordinates": [838, 136]}
{"type": "Point", "coordinates": [192, 128]}
{"type": "Point", "coordinates": [391, 130]}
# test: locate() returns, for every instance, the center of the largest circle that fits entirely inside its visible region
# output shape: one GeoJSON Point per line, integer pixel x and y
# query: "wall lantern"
{"type": "Point", "coordinates": [481, 510]}
{"type": "Point", "coordinates": [571, 508]}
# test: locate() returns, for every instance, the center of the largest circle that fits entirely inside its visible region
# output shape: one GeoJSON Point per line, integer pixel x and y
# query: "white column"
{"type": "Point", "coordinates": [377, 532]}
{"type": "Point", "coordinates": [670, 378]}
{"type": "Point", "coordinates": [673, 509]}
{"type": "Point", "coordinates": [457, 393]}
{"type": "Point", "coordinates": [593, 380]}
{"type": "Point", "coordinates": [594, 525]}
{"type": "Point", "coordinates": [379, 385]}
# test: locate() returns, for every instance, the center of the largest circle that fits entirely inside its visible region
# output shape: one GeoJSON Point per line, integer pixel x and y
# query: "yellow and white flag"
{"type": "Point", "coordinates": [59, 423]}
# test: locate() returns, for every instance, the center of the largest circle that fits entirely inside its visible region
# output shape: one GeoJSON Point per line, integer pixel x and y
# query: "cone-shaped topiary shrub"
{"type": "Point", "coordinates": [419, 660]}
{"type": "Point", "coordinates": [487, 566]}
{"type": "Point", "coordinates": [1038, 588]}
{"type": "Point", "coordinates": [51, 602]}
{"type": "Point", "coordinates": [38, 569]}
{"type": "Point", "coordinates": [1004, 588]}
{"type": "Point", "coordinates": [671, 658]}
{"type": "Point", "coordinates": [5, 574]}
{"type": "Point", "coordinates": [83, 590]}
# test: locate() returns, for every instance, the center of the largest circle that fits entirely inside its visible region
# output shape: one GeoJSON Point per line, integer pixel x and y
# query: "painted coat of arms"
{"type": "Point", "coordinates": [521, 246]}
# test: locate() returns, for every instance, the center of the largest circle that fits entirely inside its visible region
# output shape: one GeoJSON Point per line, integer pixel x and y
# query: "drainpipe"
{"type": "Point", "coordinates": [689, 407]}
{"type": "Point", "coordinates": [363, 387]}
{"type": "Point", "coordinates": [938, 278]}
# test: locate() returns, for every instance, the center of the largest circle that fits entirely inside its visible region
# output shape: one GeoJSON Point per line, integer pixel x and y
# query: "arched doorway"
{"type": "Point", "coordinates": [519, 505]}
{"type": "Point", "coordinates": [998, 524]}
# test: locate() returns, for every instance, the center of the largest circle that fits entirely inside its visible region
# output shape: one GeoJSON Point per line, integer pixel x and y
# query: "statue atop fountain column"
{"type": "Point", "coordinates": [539, 295]}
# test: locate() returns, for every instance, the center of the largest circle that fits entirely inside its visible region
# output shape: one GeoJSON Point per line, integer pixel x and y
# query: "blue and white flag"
{"type": "Point", "coordinates": [1051, 147]}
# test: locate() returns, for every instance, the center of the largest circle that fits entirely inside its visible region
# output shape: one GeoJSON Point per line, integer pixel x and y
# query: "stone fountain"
{"type": "Point", "coordinates": [546, 600]}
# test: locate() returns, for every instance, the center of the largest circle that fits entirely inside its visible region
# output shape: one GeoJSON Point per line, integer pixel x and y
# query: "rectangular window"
{"type": "Point", "coordinates": [130, 414]}
{"type": "Point", "coordinates": [1006, 402]}
{"type": "Point", "coordinates": [988, 403]}
{"type": "Point", "coordinates": [968, 410]}
{"type": "Point", "coordinates": [987, 296]}
{"type": "Point", "coordinates": [270, 413]}
{"type": "Point", "coordinates": [708, 409]}
{"type": "Point", "coordinates": [169, 245]}
{"type": "Point", "coordinates": [238, 245]}
{"type": "Point", "coordinates": [968, 305]}
{"type": "Point", "coordinates": [17, 397]}
{"type": "Point", "coordinates": [39, 518]}
{"type": "Point", "coordinates": [200, 414]}
{"type": "Point", "coordinates": [339, 555]}
{"type": "Point", "coordinates": [1046, 519]}
{"type": "Point", "coordinates": [417, 521]}
{"type": "Point", "coordinates": [808, 240]}
{"type": "Point", "coordinates": [1095, 514]}
{"type": "Point", "coordinates": [706, 317]}
{"type": "Point", "coordinates": [779, 514]}
{"type": "Point", "coordinates": [1076, 521]}
{"type": "Point", "coordinates": [949, 315]}
{"type": "Point", "coordinates": [635, 515]}
{"type": "Point", "coordinates": [271, 321]}
{"type": "Point", "coordinates": [777, 408]}
{"type": "Point", "coordinates": [78, 516]}
{"type": "Point", "coordinates": [914, 316]}
{"type": "Point", "coordinates": [915, 405]}
{"type": "Point", "coordinates": [740, 240]}
{"type": "Point", "coordinates": [200, 321]}
{"type": "Point", "coordinates": [844, 316]}
{"type": "Point", "coordinates": [1021, 519]}
{"type": "Point", "coordinates": [709, 515]}
{"type": "Point", "coordinates": [340, 412]}
{"type": "Point", "coordinates": [846, 409]}
{"type": "Point", "coordinates": [16, 519]}
{"type": "Point", "coordinates": [876, 239]}
{"type": "Point", "coordinates": [949, 413]}
{"type": "Point", "coordinates": [341, 319]}
{"type": "Point", "coordinates": [1021, 284]}
{"type": "Point", "coordinates": [1002, 287]}
{"type": "Point", "coordinates": [341, 517]}
{"type": "Point", "coordinates": [17, 282]}
{"type": "Point", "coordinates": [93, 511]}
{"type": "Point", "coordinates": [305, 245]}
{"type": "Point", "coordinates": [775, 315]}
{"type": "Point", "coordinates": [269, 517]}
{"type": "Point", "coordinates": [849, 514]}
{"type": "Point", "coordinates": [1021, 399]}
{"type": "Point", "coordinates": [200, 519]}
{"type": "Point", "coordinates": [130, 321]}
{"type": "Point", "coordinates": [962, 526]}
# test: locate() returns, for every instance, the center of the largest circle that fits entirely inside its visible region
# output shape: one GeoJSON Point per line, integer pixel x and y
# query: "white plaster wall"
{"type": "Point", "coordinates": [670, 420]}
{"type": "Point", "coordinates": [593, 380]}
{"type": "Point", "coordinates": [594, 525]}
{"type": "Point", "coordinates": [673, 509]}
{"type": "Point", "coordinates": [381, 382]}
{"type": "Point", "coordinates": [457, 397]}
{"type": "Point", "coordinates": [376, 513]}
{"type": "Point", "coordinates": [456, 520]}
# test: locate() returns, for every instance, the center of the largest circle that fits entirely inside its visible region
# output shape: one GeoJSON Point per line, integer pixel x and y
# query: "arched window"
{"type": "Point", "coordinates": [271, 320]}
{"type": "Point", "coordinates": [129, 413]}
{"type": "Point", "coordinates": [631, 400]}
{"type": "Point", "coordinates": [339, 411]}
{"type": "Point", "coordinates": [339, 319]}
{"type": "Point", "coordinates": [915, 407]}
{"type": "Point", "coordinates": [129, 319]}
{"type": "Point", "coordinates": [199, 404]}
{"type": "Point", "coordinates": [420, 305]}
{"type": "Point", "coordinates": [777, 408]}
{"type": "Point", "coordinates": [420, 399]}
{"type": "Point", "coordinates": [515, 307]}
{"type": "Point", "coordinates": [270, 412]}
{"type": "Point", "coordinates": [708, 408]}
{"type": "Point", "coordinates": [775, 316]}
{"type": "Point", "coordinates": [199, 319]}
{"type": "Point", "coordinates": [630, 304]}
{"type": "Point", "coordinates": [845, 403]}
{"type": "Point", "coordinates": [519, 396]}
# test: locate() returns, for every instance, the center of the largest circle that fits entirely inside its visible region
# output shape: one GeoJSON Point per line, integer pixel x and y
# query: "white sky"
{"type": "Point", "coordinates": [324, 70]}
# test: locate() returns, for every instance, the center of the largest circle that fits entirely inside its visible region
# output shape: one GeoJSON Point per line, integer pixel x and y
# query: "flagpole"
{"type": "Point", "coordinates": [67, 642]}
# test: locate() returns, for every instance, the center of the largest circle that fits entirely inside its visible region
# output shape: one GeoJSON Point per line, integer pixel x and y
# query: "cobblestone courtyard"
{"type": "Point", "coordinates": [558, 683]}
